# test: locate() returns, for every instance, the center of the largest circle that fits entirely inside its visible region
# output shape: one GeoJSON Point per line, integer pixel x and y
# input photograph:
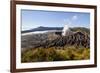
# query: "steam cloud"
{"type": "Point", "coordinates": [65, 29]}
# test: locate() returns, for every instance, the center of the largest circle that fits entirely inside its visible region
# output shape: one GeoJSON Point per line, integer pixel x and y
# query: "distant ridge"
{"type": "Point", "coordinates": [41, 28]}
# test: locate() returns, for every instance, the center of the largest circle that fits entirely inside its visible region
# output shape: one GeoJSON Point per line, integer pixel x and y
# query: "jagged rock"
{"type": "Point", "coordinates": [52, 40]}
{"type": "Point", "coordinates": [77, 38]}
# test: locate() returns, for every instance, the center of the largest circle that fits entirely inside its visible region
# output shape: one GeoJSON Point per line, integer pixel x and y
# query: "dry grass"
{"type": "Point", "coordinates": [55, 54]}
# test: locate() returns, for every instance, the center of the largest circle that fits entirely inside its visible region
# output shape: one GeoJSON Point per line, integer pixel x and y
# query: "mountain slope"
{"type": "Point", "coordinates": [41, 28]}
{"type": "Point", "coordinates": [43, 40]}
{"type": "Point", "coordinates": [77, 39]}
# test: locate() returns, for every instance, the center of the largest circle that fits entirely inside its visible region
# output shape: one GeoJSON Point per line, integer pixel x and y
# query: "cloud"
{"type": "Point", "coordinates": [67, 21]}
{"type": "Point", "coordinates": [74, 17]}
{"type": "Point", "coordinates": [70, 20]}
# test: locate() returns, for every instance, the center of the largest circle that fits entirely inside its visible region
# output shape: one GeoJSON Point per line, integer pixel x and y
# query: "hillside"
{"type": "Point", "coordinates": [81, 29]}
{"type": "Point", "coordinates": [51, 47]}
{"type": "Point", "coordinates": [49, 39]}
{"type": "Point", "coordinates": [77, 39]}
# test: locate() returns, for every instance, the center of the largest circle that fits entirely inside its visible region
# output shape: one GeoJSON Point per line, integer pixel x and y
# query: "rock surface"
{"type": "Point", "coordinates": [46, 41]}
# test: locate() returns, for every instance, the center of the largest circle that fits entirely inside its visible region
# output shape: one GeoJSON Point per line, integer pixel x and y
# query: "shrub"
{"type": "Point", "coordinates": [54, 54]}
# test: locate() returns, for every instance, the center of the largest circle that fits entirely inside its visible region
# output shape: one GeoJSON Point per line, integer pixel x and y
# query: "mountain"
{"type": "Point", "coordinates": [81, 29]}
{"type": "Point", "coordinates": [47, 40]}
{"type": "Point", "coordinates": [77, 39]}
{"type": "Point", "coordinates": [41, 28]}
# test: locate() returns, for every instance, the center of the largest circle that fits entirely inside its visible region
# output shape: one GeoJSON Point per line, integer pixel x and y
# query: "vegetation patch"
{"type": "Point", "coordinates": [55, 54]}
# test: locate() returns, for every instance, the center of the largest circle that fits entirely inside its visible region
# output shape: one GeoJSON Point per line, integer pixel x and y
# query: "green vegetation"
{"type": "Point", "coordinates": [55, 54]}
{"type": "Point", "coordinates": [81, 29]}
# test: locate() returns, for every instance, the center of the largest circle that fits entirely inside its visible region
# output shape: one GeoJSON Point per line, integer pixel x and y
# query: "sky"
{"type": "Point", "coordinates": [35, 18]}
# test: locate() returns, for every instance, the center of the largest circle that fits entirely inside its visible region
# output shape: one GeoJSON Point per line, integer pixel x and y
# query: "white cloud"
{"type": "Point", "coordinates": [70, 20]}
{"type": "Point", "coordinates": [67, 21]}
{"type": "Point", "coordinates": [74, 17]}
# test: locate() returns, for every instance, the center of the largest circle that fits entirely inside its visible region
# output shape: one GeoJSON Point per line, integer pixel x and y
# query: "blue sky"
{"type": "Point", "coordinates": [35, 18]}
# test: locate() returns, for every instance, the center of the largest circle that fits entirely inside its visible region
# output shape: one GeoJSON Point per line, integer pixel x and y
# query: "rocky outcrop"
{"type": "Point", "coordinates": [77, 38]}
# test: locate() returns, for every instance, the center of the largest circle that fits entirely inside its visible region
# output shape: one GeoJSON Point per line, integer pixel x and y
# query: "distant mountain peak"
{"type": "Point", "coordinates": [40, 27]}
